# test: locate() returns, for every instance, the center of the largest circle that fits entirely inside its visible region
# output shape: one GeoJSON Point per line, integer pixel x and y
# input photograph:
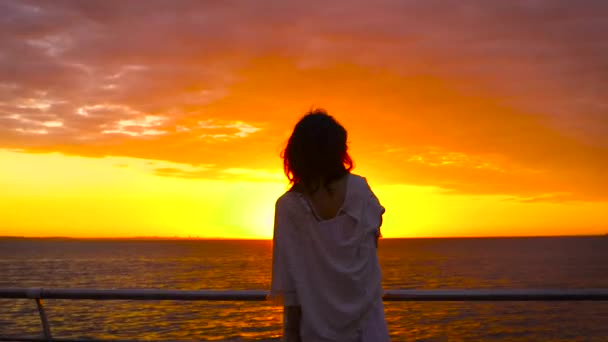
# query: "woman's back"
{"type": "Point", "coordinates": [327, 201]}
{"type": "Point", "coordinates": [328, 265]}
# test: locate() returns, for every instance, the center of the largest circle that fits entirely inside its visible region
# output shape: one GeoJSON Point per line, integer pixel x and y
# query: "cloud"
{"type": "Point", "coordinates": [478, 97]}
{"type": "Point", "coordinates": [552, 197]}
{"type": "Point", "coordinates": [211, 172]}
{"type": "Point", "coordinates": [235, 129]}
{"type": "Point", "coordinates": [200, 173]}
{"type": "Point", "coordinates": [142, 125]}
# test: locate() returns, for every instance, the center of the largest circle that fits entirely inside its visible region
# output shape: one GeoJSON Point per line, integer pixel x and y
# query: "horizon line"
{"type": "Point", "coordinates": [181, 238]}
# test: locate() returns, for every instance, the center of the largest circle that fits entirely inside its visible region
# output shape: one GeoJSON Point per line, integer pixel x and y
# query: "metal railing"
{"type": "Point", "coordinates": [38, 294]}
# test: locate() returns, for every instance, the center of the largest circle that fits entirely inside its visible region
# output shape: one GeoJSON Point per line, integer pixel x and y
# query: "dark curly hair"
{"type": "Point", "coordinates": [316, 153]}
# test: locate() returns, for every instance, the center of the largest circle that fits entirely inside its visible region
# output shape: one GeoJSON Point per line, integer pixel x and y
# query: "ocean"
{"type": "Point", "coordinates": [481, 263]}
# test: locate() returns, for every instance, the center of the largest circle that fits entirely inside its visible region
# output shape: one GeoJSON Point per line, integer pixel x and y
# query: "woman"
{"type": "Point", "coordinates": [325, 268]}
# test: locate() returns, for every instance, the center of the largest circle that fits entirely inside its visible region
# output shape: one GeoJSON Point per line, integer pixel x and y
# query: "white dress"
{"type": "Point", "coordinates": [330, 267]}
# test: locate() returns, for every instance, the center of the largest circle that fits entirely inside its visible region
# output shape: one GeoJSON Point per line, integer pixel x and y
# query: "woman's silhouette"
{"type": "Point", "coordinates": [325, 268]}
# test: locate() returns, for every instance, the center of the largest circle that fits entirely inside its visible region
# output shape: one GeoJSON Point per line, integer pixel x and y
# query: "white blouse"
{"type": "Point", "coordinates": [330, 267]}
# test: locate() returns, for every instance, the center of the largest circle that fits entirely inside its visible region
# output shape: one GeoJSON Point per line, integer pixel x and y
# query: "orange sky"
{"type": "Point", "coordinates": [125, 119]}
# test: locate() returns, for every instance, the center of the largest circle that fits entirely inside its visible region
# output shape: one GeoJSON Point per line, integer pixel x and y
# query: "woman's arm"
{"type": "Point", "coordinates": [291, 325]}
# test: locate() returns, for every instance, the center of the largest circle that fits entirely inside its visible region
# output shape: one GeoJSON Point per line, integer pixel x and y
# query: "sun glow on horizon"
{"type": "Point", "coordinates": [58, 195]}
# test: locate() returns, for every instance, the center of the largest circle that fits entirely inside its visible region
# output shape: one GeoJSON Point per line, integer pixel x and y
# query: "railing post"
{"type": "Point", "coordinates": [46, 328]}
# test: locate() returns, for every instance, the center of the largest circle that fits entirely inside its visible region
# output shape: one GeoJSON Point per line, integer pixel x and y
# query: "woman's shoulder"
{"type": "Point", "coordinates": [357, 178]}
{"type": "Point", "coordinates": [291, 205]}
{"type": "Point", "coordinates": [287, 201]}
{"type": "Point", "coordinates": [359, 183]}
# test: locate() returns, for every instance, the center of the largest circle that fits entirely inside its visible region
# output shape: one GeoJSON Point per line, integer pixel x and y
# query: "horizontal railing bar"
{"type": "Point", "coordinates": [134, 294]}
{"type": "Point", "coordinates": [261, 295]}
{"type": "Point", "coordinates": [39, 339]}
{"type": "Point", "coordinates": [498, 295]}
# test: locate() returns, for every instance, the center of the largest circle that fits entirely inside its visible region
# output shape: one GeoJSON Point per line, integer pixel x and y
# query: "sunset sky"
{"type": "Point", "coordinates": [167, 118]}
